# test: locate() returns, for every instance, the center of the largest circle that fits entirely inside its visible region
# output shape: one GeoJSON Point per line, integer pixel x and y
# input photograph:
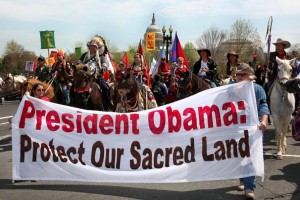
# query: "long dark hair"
{"type": "Point", "coordinates": [34, 87]}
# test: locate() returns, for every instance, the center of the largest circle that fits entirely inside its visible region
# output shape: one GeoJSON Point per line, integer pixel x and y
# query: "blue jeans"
{"type": "Point", "coordinates": [248, 182]}
{"type": "Point", "coordinates": [65, 92]}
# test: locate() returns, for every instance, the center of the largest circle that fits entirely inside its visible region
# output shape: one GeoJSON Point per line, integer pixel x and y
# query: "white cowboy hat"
{"type": "Point", "coordinates": [286, 44]}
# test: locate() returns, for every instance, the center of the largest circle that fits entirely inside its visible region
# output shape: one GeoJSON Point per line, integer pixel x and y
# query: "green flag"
{"type": "Point", "coordinates": [78, 52]}
{"type": "Point", "coordinates": [47, 39]}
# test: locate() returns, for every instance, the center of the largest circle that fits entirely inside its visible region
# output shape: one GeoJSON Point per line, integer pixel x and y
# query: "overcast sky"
{"type": "Point", "coordinates": [124, 22]}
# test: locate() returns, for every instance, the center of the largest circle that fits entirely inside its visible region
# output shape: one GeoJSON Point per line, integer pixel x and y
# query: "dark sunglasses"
{"type": "Point", "coordinates": [39, 90]}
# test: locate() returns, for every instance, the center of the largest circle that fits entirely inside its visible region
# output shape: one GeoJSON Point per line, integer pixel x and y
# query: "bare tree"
{"type": "Point", "coordinates": [295, 47]}
{"type": "Point", "coordinates": [212, 39]}
{"type": "Point", "coordinates": [243, 38]}
{"type": "Point", "coordinates": [15, 57]}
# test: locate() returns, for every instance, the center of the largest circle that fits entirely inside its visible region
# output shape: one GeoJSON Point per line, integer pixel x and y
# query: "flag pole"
{"type": "Point", "coordinates": [268, 34]}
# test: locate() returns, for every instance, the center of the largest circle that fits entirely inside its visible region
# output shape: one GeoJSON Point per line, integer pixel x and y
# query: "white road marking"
{"type": "Point", "coordinates": [5, 117]}
{"type": "Point", "coordinates": [4, 123]}
{"type": "Point", "coordinates": [4, 137]}
{"type": "Point", "coordinates": [284, 155]}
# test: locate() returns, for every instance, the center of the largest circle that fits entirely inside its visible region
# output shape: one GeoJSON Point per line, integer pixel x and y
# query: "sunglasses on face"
{"type": "Point", "coordinates": [40, 90]}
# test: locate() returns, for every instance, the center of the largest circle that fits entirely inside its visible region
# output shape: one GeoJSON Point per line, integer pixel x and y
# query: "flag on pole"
{"type": "Point", "coordinates": [52, 58]}
{"type": "Point", "coordinates": [177, 51]}
{"type": "Point", "coordinates": [47, 39]}
{"type": "Point", "coordinates": [125, 60]}
{"type": "Point", "coordinates": [153, 70]}
{"type": "Point", "coordinates": [269, 43]}
{"type": "Point", "coordinates": [140, 51]}
{"type": "Point", "coordinates": [77, 52]}
{"type": "Point", "coordinates": [146, 71]}
{"type": "Point", "coordinates": [150, 41]}
{"type": "Point", "coordinates": [109, 64]}
{"type": "Point", "coordinates": [269, 31]}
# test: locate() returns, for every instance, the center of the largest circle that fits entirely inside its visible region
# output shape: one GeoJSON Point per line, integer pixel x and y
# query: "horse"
{"type": "Point", "coordinates": [126, 96]}
{"type": "Point", "coordinates": [282, 104]}
{"type": "Point", "coordinates": [87, 93]}
{"type": "Point", "coordinates": [148, 99]}
{"type": "Point", "coordinates": [49, 90]}
{"type": "Point", "coordinates": [12, 86]}
{"type": "Point", "coordinates": [191, 84]}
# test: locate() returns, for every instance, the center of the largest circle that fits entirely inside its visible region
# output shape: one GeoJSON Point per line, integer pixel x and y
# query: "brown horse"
{"type": "Point", "coordinates": [191, 84]}
{"type": "Point", "coordinates": [49, 90]}
{"type": "Point", "coordinates": [88, 94]}
{"type": "Point", "coordinates": [11, 86]}
{"type": "Point", "coordinates": [126, 96]}
{"type": "Point", "coordinates": [130, 96]}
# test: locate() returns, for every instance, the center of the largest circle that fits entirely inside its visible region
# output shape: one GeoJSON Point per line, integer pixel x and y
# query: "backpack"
{"type": "Point", "coordinates": [157, 92]}
{"type": "Point", "coordinates": [296, 127]}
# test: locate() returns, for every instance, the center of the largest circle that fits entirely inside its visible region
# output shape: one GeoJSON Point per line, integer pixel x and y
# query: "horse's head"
{"type": "Point", "coordinates": [129, 84]}
{"type": "Point", "coordinates": [284, 69]}
{"type": "Point", "coordinates": [79, 78]}
{"type": "Point", "coordinates": [7, 85]}
{"type": "Point", "coordinates": [127, 90]}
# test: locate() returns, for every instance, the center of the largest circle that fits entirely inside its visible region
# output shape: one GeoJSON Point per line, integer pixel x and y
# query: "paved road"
{"type": "Point", "coordinates": [282, 178]}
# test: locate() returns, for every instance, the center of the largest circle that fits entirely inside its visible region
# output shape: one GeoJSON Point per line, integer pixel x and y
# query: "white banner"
{"type": "Point", "coordinates": [212, 135]}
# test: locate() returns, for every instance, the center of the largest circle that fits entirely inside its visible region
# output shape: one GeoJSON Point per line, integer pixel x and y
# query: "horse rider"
{"type": "Point", "coordinates": [232, 64]}
{"type": "Point", "coordinates": [260, 74]}
{"type": "Point", "coordinates": [95, 60]}
{"type": "Point", "coordinates": [206, 62]}
{"type": "Point", "coordinates": [180, 69]}
{"type": "Point", "coordinates": [42, 72]}
{"type": "Point", "coordinates": [182, 74]}
{"type": "Point", "coordinates": [172, 90]}
{"type": "Point", "coordinates": [159, 90]}
{"type": "Point", "coordinates": [280, 46]}
{"type": "Point", "coordinates": [120, 73]}
{"type": "Point", "coordinates": [62, 72]}
{"type": "Point", "coordinates": [139, 70]}
{"type": "Point", "coordinates": [164, 69]}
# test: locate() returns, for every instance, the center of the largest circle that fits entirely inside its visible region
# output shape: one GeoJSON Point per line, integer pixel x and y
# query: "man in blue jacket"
{"type": "Point", "coordinates": [245, 72]}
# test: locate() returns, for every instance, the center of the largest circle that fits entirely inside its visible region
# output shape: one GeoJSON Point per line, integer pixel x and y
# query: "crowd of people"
{"type": "Point", "coordinates": [166, 84]}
